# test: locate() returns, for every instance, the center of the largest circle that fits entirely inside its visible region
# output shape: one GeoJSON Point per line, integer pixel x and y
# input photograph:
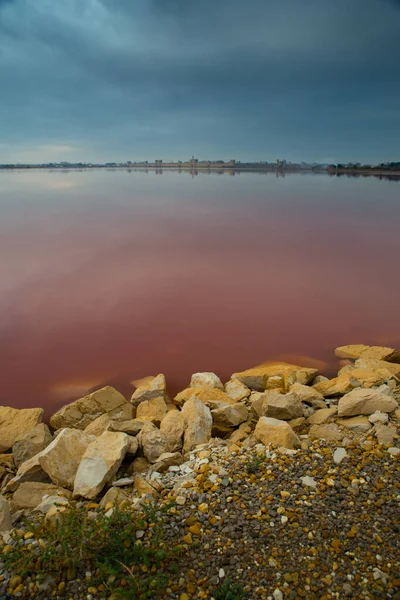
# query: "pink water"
{"type": "Point", "coordinates": [107, 276]}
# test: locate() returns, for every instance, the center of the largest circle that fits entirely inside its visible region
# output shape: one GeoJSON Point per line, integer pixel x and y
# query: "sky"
{"type": "Point", "coordinates": [118, 80]}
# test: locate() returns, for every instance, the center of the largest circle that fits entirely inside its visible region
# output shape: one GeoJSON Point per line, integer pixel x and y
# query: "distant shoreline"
{"type": "Point", "coordinates": [209, 169]}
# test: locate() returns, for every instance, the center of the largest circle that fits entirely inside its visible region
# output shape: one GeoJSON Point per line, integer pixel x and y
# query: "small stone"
{"type": "Point", "coordinates": [308, 481]}
{"type": "Point", "coordinates": [394, 451]}
{"type": "Point", "coordinates": [339, 455]}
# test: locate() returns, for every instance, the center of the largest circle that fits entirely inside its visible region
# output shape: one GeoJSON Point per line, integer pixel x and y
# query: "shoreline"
{"type": "Point", "coordinates": [212, 169]}
{"type": "Point", "coordinates": [279, 483]}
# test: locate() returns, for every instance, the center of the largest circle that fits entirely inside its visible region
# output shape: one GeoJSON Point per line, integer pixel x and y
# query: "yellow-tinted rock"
{"type": "Point", "coordinates": [365, 402]}
{"type": "Point", "coordinates": [352, 379]}
{"type": "Point", "coordinates": [99, 425]}
{"type": "Point", "coordinates": [322, 415]}
{"type": "Point", "coordinates": [208, 379]}
{"type": "Point", "coordinates": [376, 365]}
{"type": "Point", "coordinates": [80, 413]}
{"type": "Point", "coordinates": [115, 495]}
{"type": "Point", "coordinates": [100, 463]}
{"type": "Point", "coordinates": [155, 408]}
{"type": "Point", "coordinates": [31, 443]}
{"type": "Point", "coordinates": [173, 426]}
{"type": "Point", "coordinates": [149, 388]}
{"type": "Point", "coordinates": [355, 351]}
{"type": "Point", "coordinates": [143, 487]}
{"type": "Point", "coordinates": [274, 431]}
{"type": "Point", "coordinates": [236, 390]}
{"type": "Point", "coordinates": [257, 377]}
{"type": "Point", "coordinates": [30, 494]}
{"type": "Point", "coordinates": [198, 423]}
{"type": "Point", "coordinates": [5, 516]}
{"type": "Point", "coordinates": [210, 396]}
{"type": "Point", "coordinates": [61, 458]}
{"type": "Point", "coordinates": [230, 415]}
{"type": "Point", "coordinates": [15, 422]}
{"type": "Point", "coordinates": [330, 432]}
{"type": "Point", "coordinates": [358, 424]}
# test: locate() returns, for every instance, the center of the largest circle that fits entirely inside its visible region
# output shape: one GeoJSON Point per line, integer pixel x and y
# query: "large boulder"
{"type": "Point", "coordinates": [366, 402]}
{"type": "Point", "coordinates": [100, 425]}
{"type": "Point", "coordinates": [30, 494]}
{"type": "Point", "coordinates": [80, 413]}
{"type": "Point", "coordinates": [276, 405]}
{"type": "Point", "coordinates": [60, 460]}
{"type": "Point", "coordinates": [16, 422]}
{"type": "Point", "coordinates": [274, 431]}
{"type": "Point", "coordinates": [209, 379]}
{"type": "Point", "coordinates": [376, 365]}
{"type": "Point", "coordinates": [210, 396]}
{"type": "Point", "coordinates": [31, 443]}
{"type": "Point", "coordinates": [198, 423]}
{"type": "Point", "coordinates": [308, 395]}
{"type": "Point", "coordinates": [155, 409]}
{"type": "Point", "coordinates": [351, 379]}
{"type": "Point", "coordinates": [237, 390]}
{"type": "Point", "coordinates": [355, 351]}
{"type": "Point", "coordinates": [282, 406]}
{"type": "Point", "coordinates": [173, 427]}
{"type": "Point", "coordinates": [230, 415]}
{"type": "Point", "coordinates": [149, 388]}
{"type": "Point", "coordinates": [153, 442]}
{"type": "Point", "coordinates": [99, 464]}
{"type": "Point", "coordinates": [257, 378]}
{"type": "Point", "coordinates": [5, 516]}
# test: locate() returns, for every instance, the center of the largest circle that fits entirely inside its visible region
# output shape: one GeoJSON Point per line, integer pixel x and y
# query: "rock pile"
{"type": "Point", "coordinates": [103, 447]}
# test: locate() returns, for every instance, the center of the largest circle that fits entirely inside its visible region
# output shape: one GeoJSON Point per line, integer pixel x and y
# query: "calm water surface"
{"type": "Point", "coordinates": [106, 276]}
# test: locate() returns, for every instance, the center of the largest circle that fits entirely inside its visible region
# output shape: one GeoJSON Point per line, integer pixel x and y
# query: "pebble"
{"type": "Point", "coordinates": [339, 455]}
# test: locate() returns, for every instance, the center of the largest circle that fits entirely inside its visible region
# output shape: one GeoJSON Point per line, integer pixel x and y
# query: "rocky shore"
{"type": "Point", "coordinates": [278, 484]}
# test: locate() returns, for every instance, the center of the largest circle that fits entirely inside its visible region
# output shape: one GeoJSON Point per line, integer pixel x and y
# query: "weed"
{"type": "Point", "coordinates": [79, 541]}
{"type": "Point", "coordinates": [228, 591]}
{"type": "Point", "coordinates": [253, 463]}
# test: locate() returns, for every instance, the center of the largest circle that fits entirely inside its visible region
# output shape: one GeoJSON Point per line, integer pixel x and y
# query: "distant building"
{"type": "Point", "coordinates": [158, 163]}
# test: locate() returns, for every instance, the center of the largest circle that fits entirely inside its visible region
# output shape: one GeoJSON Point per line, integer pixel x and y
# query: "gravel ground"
{"type": "Point", "coordinates": [288, 525]}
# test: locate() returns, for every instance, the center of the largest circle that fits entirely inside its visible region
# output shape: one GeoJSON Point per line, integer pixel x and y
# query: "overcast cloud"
{"type": "Point", "coordinates": [144, 79]}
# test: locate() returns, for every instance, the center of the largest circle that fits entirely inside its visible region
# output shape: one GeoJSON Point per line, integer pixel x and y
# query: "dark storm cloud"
{"type": "Point", "coordinates": [120, 79]}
